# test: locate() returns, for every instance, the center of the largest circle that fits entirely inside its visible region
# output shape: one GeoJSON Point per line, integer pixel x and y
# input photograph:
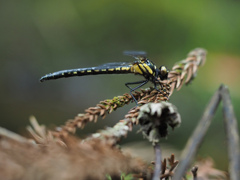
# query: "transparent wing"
{"type": "Point", "coordinates": [114, 65]}
{"type": "Point", "coordinates": [139, 55]}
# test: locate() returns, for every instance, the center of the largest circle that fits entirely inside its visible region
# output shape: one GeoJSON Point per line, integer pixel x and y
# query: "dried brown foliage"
{"type": "Point", "coordinates": [206, 170]}
{"type": "Point", "coordinates": [186, 68]}
{"type": "Point", "coordinates": [91, 160]}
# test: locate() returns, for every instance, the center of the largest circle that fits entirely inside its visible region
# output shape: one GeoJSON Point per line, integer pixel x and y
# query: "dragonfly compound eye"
{"type": "Point", "coordinates": [163, 72]}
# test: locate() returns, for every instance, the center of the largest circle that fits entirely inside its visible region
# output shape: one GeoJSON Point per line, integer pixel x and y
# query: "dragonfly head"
{"type": "Point", "coordinates": [163, 72]}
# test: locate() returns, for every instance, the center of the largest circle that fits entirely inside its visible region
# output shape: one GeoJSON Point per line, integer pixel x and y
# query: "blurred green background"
{"type": "Point", "coordinates": [39, 37]}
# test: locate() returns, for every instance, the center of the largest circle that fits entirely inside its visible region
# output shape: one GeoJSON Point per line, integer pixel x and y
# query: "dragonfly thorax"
{"type": "Point", "coordinates": [149, 70]}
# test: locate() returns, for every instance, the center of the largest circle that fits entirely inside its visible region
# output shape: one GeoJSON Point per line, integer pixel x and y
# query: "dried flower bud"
{"type": "Point", "coordinates": [155, 119]}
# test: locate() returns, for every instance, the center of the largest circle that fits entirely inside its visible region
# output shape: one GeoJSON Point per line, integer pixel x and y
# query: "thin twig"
{"type": "Point", "coordinates": [194, 142]}
{"type": "Point", "coordinates": [231, 129]}
{"type": "Point", "coordinates": [158, 162]}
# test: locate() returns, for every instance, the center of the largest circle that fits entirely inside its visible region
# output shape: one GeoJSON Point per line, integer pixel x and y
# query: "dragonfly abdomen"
{"type": "Point", "coordinates": [87, 71]}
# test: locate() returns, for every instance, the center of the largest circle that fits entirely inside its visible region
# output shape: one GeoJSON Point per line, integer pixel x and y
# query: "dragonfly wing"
{"type": "Point", "coordinates": [139, 55]}
{"type": "Point", "coordinates": [114, 65]}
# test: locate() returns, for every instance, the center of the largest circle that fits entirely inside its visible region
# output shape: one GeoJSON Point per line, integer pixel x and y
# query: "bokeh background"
{"type": "Point", "coordinates": [39, 37]}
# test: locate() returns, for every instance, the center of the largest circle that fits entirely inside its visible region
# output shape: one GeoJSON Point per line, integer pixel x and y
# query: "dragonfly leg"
{"type": "Point", "coordinates": [155, 85]}
{"type": "Point", "coordinates": [141, 83]}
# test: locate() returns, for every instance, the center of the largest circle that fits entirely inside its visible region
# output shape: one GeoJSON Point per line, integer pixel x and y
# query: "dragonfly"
{"type": "Point", "coordinates": [141, 66]}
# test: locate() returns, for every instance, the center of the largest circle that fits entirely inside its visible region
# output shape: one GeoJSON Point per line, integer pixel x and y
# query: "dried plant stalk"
{"type": "Point", "coordinates": [197, 137]}
{"type": "Point", "coordinates": [107, 107]}
{"type": "Point", "coordinates": [232, 134]}
{"type": "Point", "coordinates": [154, 119]}
{"type": "Point", "coordinates": [167, 170]}
{"type": "Point", "coordinates": [186, 68]}
{"type": "Point", "coordinates": [158, 162]}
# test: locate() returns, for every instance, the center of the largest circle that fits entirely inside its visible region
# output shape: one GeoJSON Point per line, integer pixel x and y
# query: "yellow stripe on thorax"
{"type": "Point", "coordinates": [141, 68]}
{"type": "Point", "coordinates": [148, 68]}
{"type": "Point", "coordinates": [135, 69]}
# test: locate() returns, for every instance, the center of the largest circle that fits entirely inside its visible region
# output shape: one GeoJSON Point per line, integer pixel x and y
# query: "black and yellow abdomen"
{"type": "Point", "coordinates": [124, 69]}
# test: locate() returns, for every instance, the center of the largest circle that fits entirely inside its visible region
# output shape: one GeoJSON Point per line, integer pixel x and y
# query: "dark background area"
{"type": "Point", "coordinates": [39, 37]}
